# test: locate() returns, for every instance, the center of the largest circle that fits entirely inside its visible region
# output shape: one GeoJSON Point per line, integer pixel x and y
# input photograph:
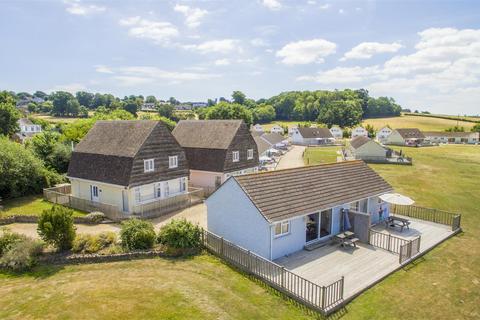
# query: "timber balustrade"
{"type": "Point", "coordinates": [428, 214]}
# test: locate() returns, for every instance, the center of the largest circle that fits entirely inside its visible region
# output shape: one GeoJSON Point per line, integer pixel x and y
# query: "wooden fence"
{"type": "Point", "coordinates": [428, 214]}
{"type": "Point", "coordinates": [409, 250]}
{"type": "Point", "coordinates": [319, 298]}
{"type": "Point", "coordinates": [386, 241]}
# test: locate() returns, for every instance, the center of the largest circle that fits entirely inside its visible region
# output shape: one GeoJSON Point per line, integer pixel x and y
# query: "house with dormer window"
{"type": "Point", "coordinates": [128, 164]}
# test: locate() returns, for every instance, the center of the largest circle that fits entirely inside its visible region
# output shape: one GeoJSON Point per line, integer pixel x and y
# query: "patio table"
{"type": "Point", "coordinates": [346, 238]}
{"type": "Point", "coordinates": [394, 221]}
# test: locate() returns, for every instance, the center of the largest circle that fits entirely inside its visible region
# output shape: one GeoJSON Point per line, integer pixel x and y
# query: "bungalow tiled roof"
{"type": "Point", "coordinates": [450, 134]}
{"type": "Point", "coordinates": [284, 194]}
{"type": "Point", "coordinates": [206, 134]}
{"type": "Point", "coordinates": [322, 133]}
{"type": "Point", "coordinates": [273, 138]}
{"type": "Point", "coordinates": [411, 133]}
{"type": "Point", "coordinates": [359, 141]}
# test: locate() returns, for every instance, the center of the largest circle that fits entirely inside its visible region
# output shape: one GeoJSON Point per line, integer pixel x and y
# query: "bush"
{"type": "Point", "coordinates": [96, 216]}
{"type": "Point", "coordinates": [180, 234]}
{"type": "Point", "coordinates": [55, 226]}
{"type": "Point", "coordinates": [137, 234]}
{"type": "Point", "coordinates": [87, 243]}
{"type": "Point", "coordinates": [22, 255]}
{"type": "Point", "coordinates": [8, 239]}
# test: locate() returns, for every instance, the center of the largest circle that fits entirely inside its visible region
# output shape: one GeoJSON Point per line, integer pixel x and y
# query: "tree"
{"type": "Point", "coordinates": [60, 157]}
{"type": "Point", "coordinates": [85, 98]}
{"type": "Point", "coordinates": [60, 100]}
{"type": "Point", "coordinates": [55, 227]}
{"type": "Point", "coordinates": [46, 107]}
{"type": "Point", "coordinates": [150, 99]}
{"type": "Point", "coordinates": [476, 128]}
{"type": "Point", "coordinates": [238, 97]}
{"type": "Point", "coordinates": [263, 113]}
{"type": "Point", "coordinates": [73, 107]}
{"type": "Point", "coordinates": [83, 112]}
{"type": "Point", "coordinates": [32, 107]}
{"type": "Point", "coordinates": [41, 95]}
{"type": "Point", "coordinates": [211, 102]}
{"type": "Point", "coordinates": [43, 143]}
{"type": "Point", "coordinates": [132, 106]}
{"type": "Point", "coordinates": [225, 110]}
{"type": "Point", "coordinates": [341, 113]}
{"type": "Point", "coordinates": [170, 124]}
{"type": "Point", "coordinates": [165, 110]}
{"type": "Point", "coordinates": [9, 114]}
{"type": "Point", "coordinates": [173, 101]}
{"type": "Point", "coordinates": [137, 234]}
{"type": "Point", "coordinates": [363, 97]}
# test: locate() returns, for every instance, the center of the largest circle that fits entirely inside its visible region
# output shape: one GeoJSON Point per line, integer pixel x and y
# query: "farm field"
{"type": "Point", "coordinates": [53, 119]}
{"type": "Point", "coordinates": [444, 284]}
{"type": "Point", "coordinates": [422, 123]}
{"type": "Point", "coordinates": [201, 287]}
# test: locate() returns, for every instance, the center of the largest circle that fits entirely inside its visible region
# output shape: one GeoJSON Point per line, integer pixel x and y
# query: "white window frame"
{"type": "Point", "coordinates": [281, 228]}
{"type": "Point", "coordinates": [249, 154]}
{"type": "Point", "coordinates": [172, 162]}
{"type": "Point", "coordinates": [149, 165]}
{"type": "Point", "coordinates": [235, 156]}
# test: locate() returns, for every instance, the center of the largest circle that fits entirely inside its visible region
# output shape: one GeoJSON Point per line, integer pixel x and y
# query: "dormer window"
{"type": "Point", "coordinates": [149, 165]}
{"type": "Point", "coordinates": [173, 162]}
{"type": "Point", "coordinates": [249, 154]}
{"type": "Point", "coordinates": [235, 156]}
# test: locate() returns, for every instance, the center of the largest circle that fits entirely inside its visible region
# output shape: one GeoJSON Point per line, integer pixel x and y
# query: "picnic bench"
{"type": "Point", "coordinates": [347, 238]}
{"type": "Point", "coordinates": [393, 221]}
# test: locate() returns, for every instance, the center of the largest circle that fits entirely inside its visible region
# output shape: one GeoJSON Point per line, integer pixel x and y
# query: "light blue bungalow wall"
{"type": "Point", "coordinates": [231, 214]}
{"type": "Point", "coordinates": [294, 241]}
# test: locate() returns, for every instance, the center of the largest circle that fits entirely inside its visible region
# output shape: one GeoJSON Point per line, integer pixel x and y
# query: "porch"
{"type": "Point", "coordinates": [368, 263]}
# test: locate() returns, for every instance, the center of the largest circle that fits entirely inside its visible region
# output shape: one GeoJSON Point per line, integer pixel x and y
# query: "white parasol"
{"type": "Point", "coordinates": [396, 198]}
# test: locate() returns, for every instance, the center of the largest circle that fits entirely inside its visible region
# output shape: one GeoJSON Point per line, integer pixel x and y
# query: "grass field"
{"type": "Point", "coordinates": [197, 288]}
{"type": "Point", "coordinates": [29, 206]}
{"type": "Point", "coordinates": [320, 155]}
{"type": "Point", "coordinates": [422, 123]}
{"type": "Point", "coordinates": [445, 284]}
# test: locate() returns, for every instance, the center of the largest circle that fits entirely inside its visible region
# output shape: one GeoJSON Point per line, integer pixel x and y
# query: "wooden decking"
{"type": "Point", "coordinates": [360, 266]}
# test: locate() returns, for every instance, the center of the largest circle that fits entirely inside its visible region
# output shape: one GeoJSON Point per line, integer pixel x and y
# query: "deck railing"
{"type": "Point", "coordinates": [409, 250]}
{"type": "Point", "coordinates": [319, 298]}
{"type": "Point", "coordinates": [428, 214]}
{"type": "Point", "coordinates": [386, 241]}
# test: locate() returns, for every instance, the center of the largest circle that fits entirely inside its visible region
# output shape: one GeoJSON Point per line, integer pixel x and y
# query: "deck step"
{"type": "Point", "coordinates": [316, 245]}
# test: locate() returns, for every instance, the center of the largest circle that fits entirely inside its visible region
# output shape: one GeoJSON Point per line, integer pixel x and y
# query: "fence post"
{"type": "Point", "coordinates": [203, 238]}
{"type": "Point", "coordinates": [389, 241]}
{"type": "Point", "coordinates": [221, 246]}
{"type": "Point", "coordinates": [283, 277]}
{"type": "Point", "coordinates": [342, 287]}
{"type": "Point", "coordinates": [323, 298]}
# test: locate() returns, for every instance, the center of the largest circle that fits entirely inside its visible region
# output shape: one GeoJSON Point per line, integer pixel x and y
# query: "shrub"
{"type": "Point", "coordinates": [96, 216]}
{"type": "Point", "coordinates": [9, 239]}
{"type": "Point", "coordinates": [87, 243]}
{"type": "Point", "coordinates": [22, 255]}
{"type": "Point", "coordinates": [180, 234]}
{"type": "Point", "coordinates": [55, 227]}
{"type": "Point", "coordinates": [137, 234]}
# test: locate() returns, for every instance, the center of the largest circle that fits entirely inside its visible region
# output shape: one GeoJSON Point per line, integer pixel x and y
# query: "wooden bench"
{"type": "Point", "coordinates": [351, 242]}
{"type": "Point", "coordinates": [397, 222]}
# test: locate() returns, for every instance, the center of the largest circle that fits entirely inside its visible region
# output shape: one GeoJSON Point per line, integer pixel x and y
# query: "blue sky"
{"type": "Point", "coordinates": [424, 54]}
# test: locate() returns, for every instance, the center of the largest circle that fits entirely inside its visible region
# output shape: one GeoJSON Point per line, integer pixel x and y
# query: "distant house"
{"type": "Point", "coordinates": [199, 104]}
{"type": "Point", "coordinates": [337, 132]}
{"type": "Point", "coordinates": [359, 132]}
{"type": "Point", "coordinates": [262, 146]}
{"type": "Point", "coordinates": [216, 150]}
{"type": "Point", "coordinates": [291, 130]}
{"type": "Point", "coordinates": [452, 137]}
{"type": "Point", "coordinates": [278, 212]}
{"type": "Point", "coordinates": [257, 128]}
{"type": "Point", "coordinates": [277, 129]}
{"type": "Point", "coordinates": [383, 134]}
{"type": "Point", "coordinates": [275, 140]}
{"type": "Point", "coordinates": [27, 130]}
{"type": "Point", "coordinates": [363, 148]}
{"type": "Point", "coordinates": [312, 136]}
{"type": "Point", "coordinates": [183, 106]}
{"type": "Point", "coordinates": [128, 164]}
{"type": "Point", "coordinates": [148, 106]}
{"type": "Point", "coordinates": [406, 137]}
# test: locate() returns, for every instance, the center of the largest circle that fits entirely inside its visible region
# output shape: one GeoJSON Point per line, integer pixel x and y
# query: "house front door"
{"type": "Point", "coordinates": [94, 193]}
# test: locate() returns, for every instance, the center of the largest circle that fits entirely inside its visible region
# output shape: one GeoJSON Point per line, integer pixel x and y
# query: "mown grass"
{"type": "Point", "coordinates": [197, 288]}
{"type": "Point", "coordinates": [29, 206]}
{"type": "Point", "coordinates": [445, 284]}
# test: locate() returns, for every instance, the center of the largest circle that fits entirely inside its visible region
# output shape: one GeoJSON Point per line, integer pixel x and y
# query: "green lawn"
{"type": "Point", "coordinates": [320, 155]}
{"type": "Point", "coordinates": [422, 123]}
{"type": "Point", "coordinates": [29, 206]}
{"type": "Point", "coordinates": [197, 288]}
{"type": "Point", "coordinates": [445, 284]}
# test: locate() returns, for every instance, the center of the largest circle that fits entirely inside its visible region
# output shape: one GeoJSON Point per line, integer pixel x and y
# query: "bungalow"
{"type": "Point", "coordinates": [257, 128]}
{"type": "Point", "coordinates": [452, 137]}
{"type": "Point", "coordinates": [262, 146]}
{"type": "Point", "coordinates": [279, 212]}
{"type": "Point", "coordinates": [337, 132]}
{"type": "Point", "coordinates": [216, 150]}
{"type": "Point", "coordinates": [27, 130]}
{"type": "Point", "coordinates": [359, 132]}
{"type": "Point", "coordinates": [364, 148]}
{"type": "Point", "coordinates": [277, 129]}
{"type": "Point", "coordinates": [148, 106]}
{"type": "Point", "coordinates": [275, 140]}
{"type": "Point", "coordinates": [406, 137]}
{"type": "Point", "coordinates": [312, 136]}
{"type": "Point", "coordinates": [383, 134]}
{"type": "Point", "coordinates": [128, 164]}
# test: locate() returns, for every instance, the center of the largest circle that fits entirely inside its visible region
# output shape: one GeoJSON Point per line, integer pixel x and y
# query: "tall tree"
{"type": "Point", "coordinates": [60, 100]}
{"type": "Point", "coordinates": [9, 114]}
{"type": "Point", "coordinates": [238, 97]}
{"type": "Point", "coordinates": [225, 110]}
{"type": "Point", "coordinates": [85, 98]}
{"type": "Point", "coordinates": [150, 99]}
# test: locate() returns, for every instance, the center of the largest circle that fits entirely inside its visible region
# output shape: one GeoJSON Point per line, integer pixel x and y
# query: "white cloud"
{"type": "Point", "coordinates": [366, 50]}
{"type": "Point", "coordinates": [78, 8]}
{"type": "Point", "coordinates": [311, 2]}
{"type": "Point", "coordinates": [159, 32]}
{"type": "Point", "coordinates": [70, 87]}
{"type": "Point", "coordinates": [215, 46]}
{"type": "Point", "coordinates": [306, 51]}
{"type": "Point", "coordinates": [341, 75]}
{"type": "Point", "coordinates": [222, 62]}
{"type": "Point", "coordinates": [103, 69]}
{"type": "Point", "coordinates": [139, 75]}
{"type": "Point", "coordinates": [341, 11]}
{"type": "Point", "coordinates": [258, 42]}
{"type": "Point", "coordinates": [272, 4]}
{"type": "Point", "coordinates": [324, 6]}
{"type": "Point", "coordinates": [193, 16]}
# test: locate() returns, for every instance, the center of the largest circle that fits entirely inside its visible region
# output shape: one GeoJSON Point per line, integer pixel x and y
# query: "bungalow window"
{"type": "Point", "coordinates": [354, 205]}
{"type": "Point", "coordinates": [282, 228]}
{"type": "Point", "coordinates": [249, 154]}
{"type": "Point", "coordinates": [173, 162]}
{"type": "Point", "coordinates": [235, 156]}
{"type": "Point", "coordinates": [148, 165]}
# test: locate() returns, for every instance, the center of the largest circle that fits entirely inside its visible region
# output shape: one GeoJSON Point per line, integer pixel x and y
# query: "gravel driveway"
{"type": "Point", "coordinates": [196, 214]}
{"type": "Point", "coordinates": [292, 159]}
